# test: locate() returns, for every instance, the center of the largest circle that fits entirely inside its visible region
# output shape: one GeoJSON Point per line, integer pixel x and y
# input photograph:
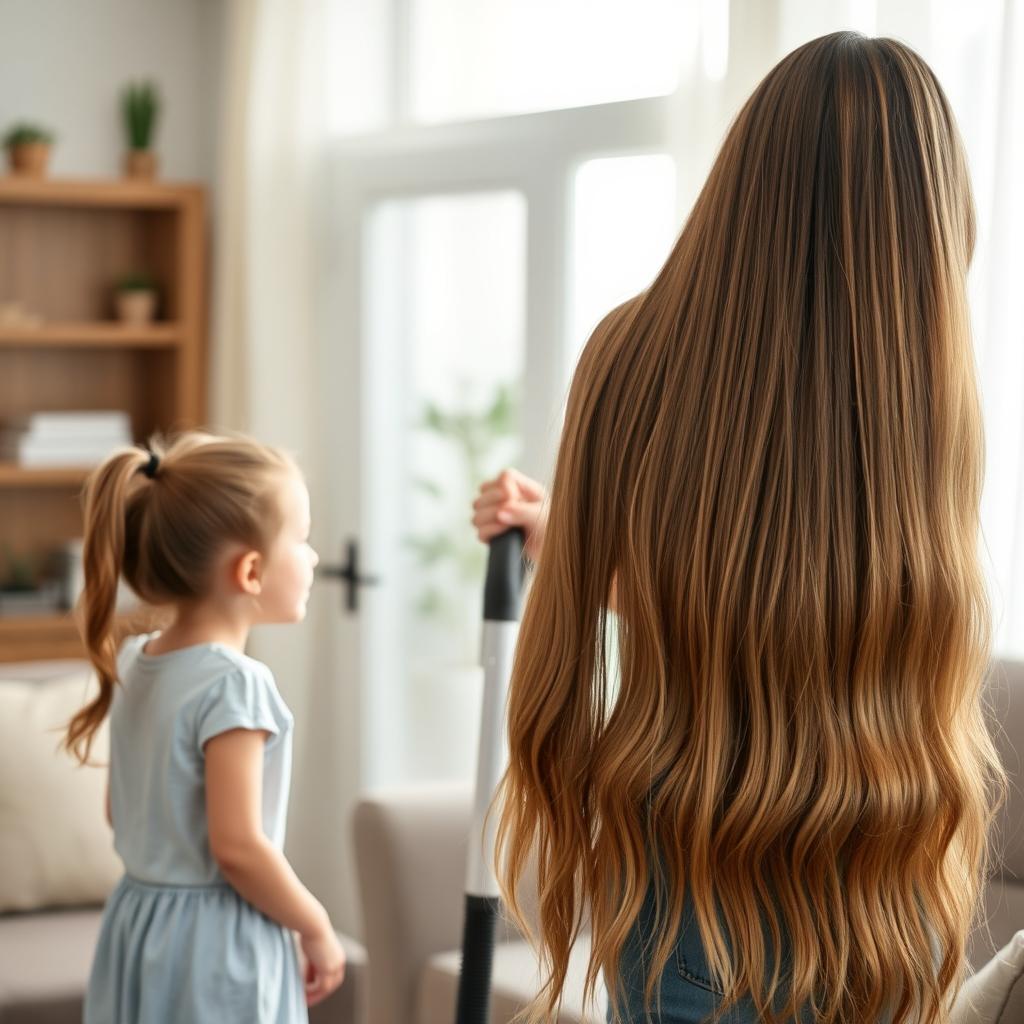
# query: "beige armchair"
{"type": "Point", "coordinates": [411, 860]}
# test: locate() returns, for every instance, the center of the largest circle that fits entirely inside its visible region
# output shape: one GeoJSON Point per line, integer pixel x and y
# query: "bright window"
{"type": "Point", "coordinates": [481, 58]}
{"type": "Point", "coordinates": [624, 224]}
{"type": "Point", "coordinates": [445, 332]}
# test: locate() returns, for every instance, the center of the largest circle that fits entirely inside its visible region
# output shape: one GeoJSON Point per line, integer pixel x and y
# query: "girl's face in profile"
{"type": "Point", "coordinates": [288, 570]}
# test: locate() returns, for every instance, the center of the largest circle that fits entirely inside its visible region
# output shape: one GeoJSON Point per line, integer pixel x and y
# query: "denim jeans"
{"type": "Point", "coordinates": [688, 992]}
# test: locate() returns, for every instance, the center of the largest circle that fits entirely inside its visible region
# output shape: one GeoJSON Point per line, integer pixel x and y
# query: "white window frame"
{"type": "Point", "coordinates": [535, 155]}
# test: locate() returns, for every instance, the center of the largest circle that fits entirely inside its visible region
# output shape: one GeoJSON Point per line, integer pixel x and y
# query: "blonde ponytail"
{"type": "Point", "coordinates": [106, 499]}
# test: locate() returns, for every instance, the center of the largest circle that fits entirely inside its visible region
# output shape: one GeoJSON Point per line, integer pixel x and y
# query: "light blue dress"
{"type": "Point", "coordinates": [177, 943]}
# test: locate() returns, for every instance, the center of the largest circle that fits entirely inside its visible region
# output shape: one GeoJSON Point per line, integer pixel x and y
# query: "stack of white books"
{"type": "Point", "coordinates": [64, 438]}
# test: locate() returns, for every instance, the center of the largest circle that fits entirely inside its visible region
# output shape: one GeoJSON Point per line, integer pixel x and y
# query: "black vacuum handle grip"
{"type": "Point", "coordinates": [474, 993]}
{"type": "Point", "coordinates": [504, 583]}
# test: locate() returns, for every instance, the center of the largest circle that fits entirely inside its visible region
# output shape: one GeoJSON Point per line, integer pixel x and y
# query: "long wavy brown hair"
{"type": "Point", "coordinates": [775, 452]}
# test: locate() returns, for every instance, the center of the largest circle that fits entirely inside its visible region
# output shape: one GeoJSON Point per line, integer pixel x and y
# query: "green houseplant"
{"type": "Point", "coordinates": [450, 557]}
{"type": "Point", "coordinates": [136, 298]}
{"type": "Point", "coordinates": [454, 443]}
{"type": "Point", "coordinates": [140, 108]}
{"type": "Point", "coordinates": [28, 149]}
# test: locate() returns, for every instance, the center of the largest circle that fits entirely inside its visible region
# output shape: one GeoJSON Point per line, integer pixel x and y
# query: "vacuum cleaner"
{"type": "Point", "coordinates": [502, 598]}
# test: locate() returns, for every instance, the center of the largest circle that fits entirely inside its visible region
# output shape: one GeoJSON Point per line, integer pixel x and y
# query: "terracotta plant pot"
{"type": "Point", "coordinates": [140, 163]}
{"type": "Point", "coordinates": [29, 158]}
{"type": "Point", "coordinates": [136, 306]}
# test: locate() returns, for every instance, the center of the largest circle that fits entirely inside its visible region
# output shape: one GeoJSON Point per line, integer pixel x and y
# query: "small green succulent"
{"type": "Point", "coordinates": [140, 105]}
{"type": "Point", "coordinates": [137, 282]}
{"type": "Point", "coordinates": [23, 133]}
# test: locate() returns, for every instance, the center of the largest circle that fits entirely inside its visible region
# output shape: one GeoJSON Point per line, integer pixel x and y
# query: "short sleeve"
{"type": "Point", "coordinates": [242, 699]}
{"type": "Point", "coordinates": [129, 651]}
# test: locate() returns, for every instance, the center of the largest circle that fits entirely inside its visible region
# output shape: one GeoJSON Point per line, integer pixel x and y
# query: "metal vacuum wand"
{"type": "Point", "coordinates": [502, 597]}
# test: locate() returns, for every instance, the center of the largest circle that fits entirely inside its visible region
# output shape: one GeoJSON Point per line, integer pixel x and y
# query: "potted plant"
{"type": "Point", "coordinates": [28, 149]}
{"type": "Point", "coordinates": [136, 296]}
{"type": "Point", "coordinates": [140, 106]}
{"type": "Point", "coordinates": [451, 561]}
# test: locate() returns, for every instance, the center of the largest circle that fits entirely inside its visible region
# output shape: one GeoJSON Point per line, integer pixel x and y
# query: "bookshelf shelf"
{"type": "Point", "coordinates": [92, 335]}
{"type": "Point", "coordinates": [38, 637]}
{"type": "Point", "coordinates": [69, 192]}
{"type": "Point", "coordinates": [45, 637]}
{"type": "Point", "coordinates": [13, 476]}
{"type": "Point", "coordinates": [66, 243]}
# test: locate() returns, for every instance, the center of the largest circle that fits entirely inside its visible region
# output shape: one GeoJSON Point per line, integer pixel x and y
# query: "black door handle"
{"type": "Point", "coordinates": [350, 576]}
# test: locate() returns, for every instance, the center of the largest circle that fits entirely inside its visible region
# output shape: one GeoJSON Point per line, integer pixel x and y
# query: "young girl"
{"type": "Point", "coordinates": [199, 929]}
{"type": "Point", "coordinates": [775, 804]}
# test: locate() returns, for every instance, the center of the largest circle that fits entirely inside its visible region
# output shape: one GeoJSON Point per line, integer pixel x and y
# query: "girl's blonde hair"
{"type": "Point", "coordinates": [163, 533]}
{"type": "Point", "coordinates": [777, 447]}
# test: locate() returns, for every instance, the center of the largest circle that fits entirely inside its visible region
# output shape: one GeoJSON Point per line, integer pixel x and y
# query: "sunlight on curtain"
{"type": "Point", "coordinates": [977, 50]}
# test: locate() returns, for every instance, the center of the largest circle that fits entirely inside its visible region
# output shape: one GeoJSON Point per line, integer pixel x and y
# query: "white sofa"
{"type": "Point", "coordinates": [411, 854]}
{"type": "Point", "coordinates": [46, 950]}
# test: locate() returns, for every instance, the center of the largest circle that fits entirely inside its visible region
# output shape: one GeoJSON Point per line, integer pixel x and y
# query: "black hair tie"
{"type": "Point", "coordinates": [150, 467]}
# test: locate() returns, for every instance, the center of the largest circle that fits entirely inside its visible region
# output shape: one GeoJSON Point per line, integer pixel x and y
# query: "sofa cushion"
{"type": "Point", "coordinates": [56, 847]}
{"type": "Point", "coordinates": [45, 960]}
{"type": "Point", "coordinates": [1001, 916]}
{"type": "Point", "coordinates": [44, 965]}
{"type": "Point", "coordinates": [514, 980]}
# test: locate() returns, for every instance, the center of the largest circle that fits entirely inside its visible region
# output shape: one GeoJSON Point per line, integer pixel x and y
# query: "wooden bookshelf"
{"type": "Point", "coordinates": [63, 245]}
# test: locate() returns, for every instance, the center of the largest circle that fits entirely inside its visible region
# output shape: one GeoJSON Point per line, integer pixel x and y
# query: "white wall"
{"type": "Point", "coordinates": [63, 63]}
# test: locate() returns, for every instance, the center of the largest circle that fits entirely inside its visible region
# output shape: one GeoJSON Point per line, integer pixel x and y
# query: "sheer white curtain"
{"type": "Point", "coordinates": [977, 51]}
{"type": "Point", "coordinates": [272, 134]}
{"type": "Point", "coordinates": [994, 130]}
{"type": "Point", "coordinates": [266, 298]}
